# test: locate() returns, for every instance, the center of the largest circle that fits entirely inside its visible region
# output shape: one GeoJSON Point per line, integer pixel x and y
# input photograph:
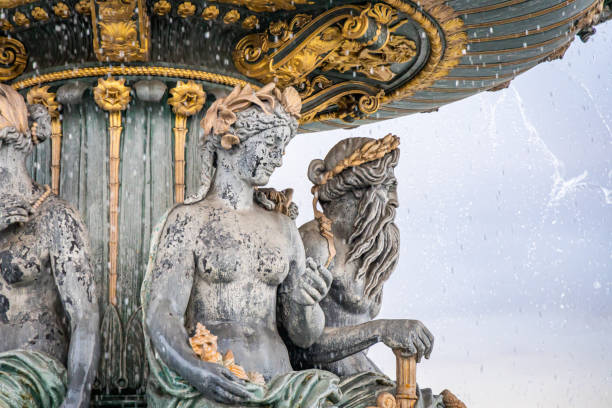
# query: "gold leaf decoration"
{"type": "Point", "coordinates": [250, 22]}
{"type": "Point", "coordinates": [41, 95]}
{"type": "Point", "coordinates": [162, 7]}
{"type": "Point", "coordinates": [186, 9]}
{"type": "Point", "coordinates": [40, 14]}
{"type": "Point", "coordinates": [5, 24]}
{"type": "Point", "coordinates": [231, 17]}
{"type": "Point", "coordinates": [267, 5]}
{"type": "Point", "coordinates": [187, 98]}
{"type": "Point", "coordinates": [13, 58]}
{"type": "Point", "coordinates": [204, 345]}
{"type": "Point", "coordinates": [21, 19]}
{"type": "Point", "coordinates": [61, 10]}
{"type": "Point", "coordinates": [210, 13]}
{"type": "Point", "coordinates": [83, 7]}
{"type": "Point", "coordinates": [228, 140]}
{"type": "Point", "coordinates": [111, 94]}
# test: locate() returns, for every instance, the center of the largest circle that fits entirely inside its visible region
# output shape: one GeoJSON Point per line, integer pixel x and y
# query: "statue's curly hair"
{"type": "Point", "coordinates": [250, 122]}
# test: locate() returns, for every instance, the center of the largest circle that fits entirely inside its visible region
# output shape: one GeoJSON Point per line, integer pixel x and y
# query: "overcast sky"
{"type": "Point", "coordinates": [506, 228]}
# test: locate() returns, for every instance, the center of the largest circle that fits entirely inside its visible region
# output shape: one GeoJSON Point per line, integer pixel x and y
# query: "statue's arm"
{"type": "Point", "coordinates": [170, 290]}
{"type": "Point", "coordinates": [69, 254]}
{"type": "Point", "coordinates": [299, 295]}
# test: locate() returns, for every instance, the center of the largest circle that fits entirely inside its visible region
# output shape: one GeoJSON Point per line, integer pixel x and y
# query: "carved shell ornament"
{"type": "Point", "coordinates": [222, 113]}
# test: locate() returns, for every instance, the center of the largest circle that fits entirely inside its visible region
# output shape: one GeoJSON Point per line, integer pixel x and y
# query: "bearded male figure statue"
{"type": "Point", "coordinates": [355, 234]}
{"type": "Point", "coordinates": [49, 317]}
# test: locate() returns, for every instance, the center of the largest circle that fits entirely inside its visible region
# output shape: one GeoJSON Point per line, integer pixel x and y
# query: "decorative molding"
{"type": "Point", "coordinates": [41, 95]}
{"type": "Point", "coordinates": [61, 10]}
{"type": "Point", "coordinates": [250, 22]}
{"type": "Point", "coordinates": [120, 30]}
{"type": "Point", "coordinates": [113, 96]}
{"type": "Point", "coordinates": [187, 99]}
{"type": "Point", "coordinates": [7, 4]}
{"type": "Point", "coordinates": [13, 58]}
{"type": "Point", "coordinates": [266, 5]}
{"type": "Point", "coordinates": [125, 70]}
{"type": "Point", "coordinates": [351, 59]}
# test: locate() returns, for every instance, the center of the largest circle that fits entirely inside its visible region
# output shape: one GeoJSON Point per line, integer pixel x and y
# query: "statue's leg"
{"type": "Point", "coordinates": [31, 379]}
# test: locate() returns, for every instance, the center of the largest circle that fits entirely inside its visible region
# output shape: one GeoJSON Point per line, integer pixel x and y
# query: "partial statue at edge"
{"type": "Point", "coordinates": [49, 316]}
{"type": "Point", "coordinates": [228, 272]}
{"type": "Point", "coordinates": [356, 235]}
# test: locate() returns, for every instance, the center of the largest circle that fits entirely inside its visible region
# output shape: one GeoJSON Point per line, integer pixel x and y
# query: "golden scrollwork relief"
{"type": "Point", "coordinates": [350, 60]}
{"type": "Point", "coordinates": [41, 95]}
{"type": "Point", "coordinates": [121, 30]}
{"type": "Point", "coordinates": [113, 96]}
{"type": "Point", "coordinates": [267, 5]}
{"type": "Point", "coordinates": [187, 99]}
{"type": "Point", "coordinates": [13, 58]}
{"type": "Point", "coordinates": [5, 24]}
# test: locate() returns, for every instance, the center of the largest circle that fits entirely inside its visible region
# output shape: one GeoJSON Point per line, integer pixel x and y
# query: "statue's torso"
{"type": "Point", "coordinates": [240, 259]}
{"type": "Point", "coordinates": [31, 313]}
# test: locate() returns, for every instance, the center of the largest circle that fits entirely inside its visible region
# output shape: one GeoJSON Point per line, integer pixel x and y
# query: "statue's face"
{"type": "Point", "coordinates": [390, 185]}
{"type": "Point", "coordinates": [262, 153]}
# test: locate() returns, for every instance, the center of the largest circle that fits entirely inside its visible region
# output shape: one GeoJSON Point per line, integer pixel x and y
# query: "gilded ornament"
{"type": "Point", "coordinates": [187, 98]}
{"type": "Point", "coordinates": [210, 13]}
{"type": "Point", "coordinates": [61, 10]}
{"type": "Point", "coordinates": [126, 70]}
{"type": "Point", "coordinates": [162, 7]}
{"type": "Point", "coordinates": [21, 19]}
{"type": "Point", "coordinates": [259, 6]}
{"type": "Point", "coordinates": [40, 14]}
{"type": "Point", "coordinates": [250, 22]}
{"type": "Point", "coordinates": [121, 30]}
{"type": "Point", "coordinates": [231, 17]}
{"type": "Point", "coordinates": [7, 4]}
{"type": "Point", "coordinates": [5, 24]}
{"type": "Point", "coordinates": [204, 345]}
{"type": "Point", "coordinates": [83, 7]}
{"type": "Point", "coordinates": [13, 58]}
{"type": "Point", "coordinates": [186, 9]}
{"type": "Point", "coordinates": [41, 95]}
{"type": "Point", "coordinates": [111, 94]}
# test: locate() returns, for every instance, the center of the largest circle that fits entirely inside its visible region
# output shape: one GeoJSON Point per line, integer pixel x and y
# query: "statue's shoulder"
{"type": "Point", "coordinates": [57, 210]}
{"type": "Point", "coordinates": [315, 245]}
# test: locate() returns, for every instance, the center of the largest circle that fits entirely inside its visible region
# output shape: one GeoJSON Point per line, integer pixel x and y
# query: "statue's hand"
{"type": "Point", "coordinates": [217, 383]}
{"type": "Point", "coordinates": [13, 210]}
{"type": "Point", "coordinates": [313, 285]}
{"type": "Point", "coordinates": [409, 336]}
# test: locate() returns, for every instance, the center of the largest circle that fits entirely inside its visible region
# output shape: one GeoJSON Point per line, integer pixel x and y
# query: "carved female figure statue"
{"type": "Point", "coordinates": [49, 313]}
{"type": "Point", "coordinates": [222, 259]}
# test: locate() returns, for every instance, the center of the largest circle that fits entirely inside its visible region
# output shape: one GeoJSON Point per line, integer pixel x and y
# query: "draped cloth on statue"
{"type": "Point", "coordinates": [305, 389]}
{"type": "Point", "coordinates": [31, 379]}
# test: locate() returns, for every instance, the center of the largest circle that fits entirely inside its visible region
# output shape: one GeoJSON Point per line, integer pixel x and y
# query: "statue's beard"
{"type": "Point", "coordinates": [374, 242]}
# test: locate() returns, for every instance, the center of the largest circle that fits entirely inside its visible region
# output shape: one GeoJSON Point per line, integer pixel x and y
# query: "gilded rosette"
{"type": "Point", "coordinates": [187, 98]}
{"type": "Point", "coordinates": [112, 95]}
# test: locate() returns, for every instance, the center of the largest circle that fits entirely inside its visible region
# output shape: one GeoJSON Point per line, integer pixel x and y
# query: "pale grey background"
{"type": "Point", "coordinates": [506, 222]}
